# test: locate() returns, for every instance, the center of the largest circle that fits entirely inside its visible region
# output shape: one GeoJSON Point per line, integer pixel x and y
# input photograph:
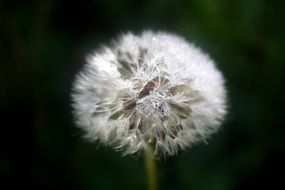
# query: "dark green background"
{"type": "Point", "coordinates": [43, 44]}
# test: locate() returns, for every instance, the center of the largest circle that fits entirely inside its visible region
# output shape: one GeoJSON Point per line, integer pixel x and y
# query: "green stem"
{"type": "Point", "coordinates": [150, 169]}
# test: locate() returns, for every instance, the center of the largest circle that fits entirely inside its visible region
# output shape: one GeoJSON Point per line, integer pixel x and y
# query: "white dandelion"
{"type": "Point", "coordinates": [153, 90]}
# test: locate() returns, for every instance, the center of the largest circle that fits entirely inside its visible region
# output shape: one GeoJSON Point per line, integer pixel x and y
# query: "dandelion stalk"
{"type": "Point", "coordinates": [150, 169]}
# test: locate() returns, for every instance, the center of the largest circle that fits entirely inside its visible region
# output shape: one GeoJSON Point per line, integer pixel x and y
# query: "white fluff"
{"type": "Point", "coordinates": [152, 90]}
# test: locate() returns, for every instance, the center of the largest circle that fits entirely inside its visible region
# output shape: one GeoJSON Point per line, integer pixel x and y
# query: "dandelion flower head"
{"type": "Point", "coordinates": [149, 90]}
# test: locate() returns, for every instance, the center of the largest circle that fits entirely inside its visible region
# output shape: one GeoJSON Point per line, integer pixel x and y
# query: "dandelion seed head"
{"type": "Point", "coordinates": [154, 89]}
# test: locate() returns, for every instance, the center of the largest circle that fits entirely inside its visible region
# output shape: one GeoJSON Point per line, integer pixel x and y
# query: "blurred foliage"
{"type": "Point", "coordinates": [43, 44]}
